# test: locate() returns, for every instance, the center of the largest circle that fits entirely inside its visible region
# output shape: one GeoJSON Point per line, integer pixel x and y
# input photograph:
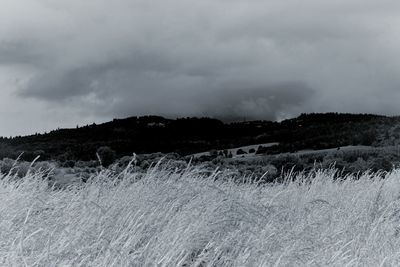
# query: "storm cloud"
{"type": "Point", "coordinates": [95, 60]}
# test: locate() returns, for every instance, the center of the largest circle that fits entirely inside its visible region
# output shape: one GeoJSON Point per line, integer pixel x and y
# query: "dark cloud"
{"type": "Point", "coordinates": [275, 101]}
{"type": "Point", "coordinates": [229, 59]}
{"type": "Point", "coordinates": [271, 102]}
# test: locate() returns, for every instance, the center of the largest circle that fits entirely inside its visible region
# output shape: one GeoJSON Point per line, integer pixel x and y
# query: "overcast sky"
{"type": "Point", "coordinates": [69, 62]}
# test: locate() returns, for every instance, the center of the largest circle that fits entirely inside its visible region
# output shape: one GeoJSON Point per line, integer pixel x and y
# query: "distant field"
{"type": "Point", "coordinates": [186, 218]}
{"type": "Point", "coordinates": [234, 150]}
{"type": "Point", "coordinates": [324, 152]}
{"type": "Point", "coordinates": [253, 155]}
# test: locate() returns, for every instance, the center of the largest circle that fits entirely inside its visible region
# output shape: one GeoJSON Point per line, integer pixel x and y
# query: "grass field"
{"type": "Point", "coordinates": [188, 218]}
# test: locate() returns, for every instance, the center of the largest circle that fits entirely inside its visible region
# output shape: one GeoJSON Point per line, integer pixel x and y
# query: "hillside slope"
{"type": "Point", "coordinates": [193, 135]}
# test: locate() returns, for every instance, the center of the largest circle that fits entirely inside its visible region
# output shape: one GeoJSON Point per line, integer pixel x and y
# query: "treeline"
{"type": "Point", "coordinates": [330, 130]}
{"type": "Point", "coordinates": [186, 136]}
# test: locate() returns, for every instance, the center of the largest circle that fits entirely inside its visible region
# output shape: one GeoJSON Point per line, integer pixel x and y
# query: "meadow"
{"type": "Point", "coordinates": [188, 217]}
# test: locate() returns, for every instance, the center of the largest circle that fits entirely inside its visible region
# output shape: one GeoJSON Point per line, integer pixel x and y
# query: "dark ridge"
{"type": "Point", "coordinates": [185, 136]}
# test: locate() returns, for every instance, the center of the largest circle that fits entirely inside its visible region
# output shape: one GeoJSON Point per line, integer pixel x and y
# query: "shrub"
{"type": "Point", "coordinates": [107, 155]}
{"type": "Point", "coordinates": [261, 150]}
{"type": "Point", "coordinates": [381, 164]}
{"type": "Point", "coordinates": [240, 152]}
{"type": "Point", "coordinates": [6, 165]}
{"type": "Point", "coordinates": [287, 162]}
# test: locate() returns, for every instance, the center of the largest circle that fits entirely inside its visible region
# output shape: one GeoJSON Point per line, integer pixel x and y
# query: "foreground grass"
{"type": "Point", "coordinates": [186, 219]}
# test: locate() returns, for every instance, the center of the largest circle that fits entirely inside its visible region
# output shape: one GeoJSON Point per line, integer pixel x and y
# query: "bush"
{"type": "Point", "coordinates": [107, 155]}
{"type": "Point", "coordinates": [68, 164]}
{"type": "Point", "coordinates": [240, 152]}
{"type": "Point", "coordinates": [6, 165]}
{"type": "Point", "coordinates": [359, 166]}
{"type": "Point", "coordinates": [381, 164]}
{"type": "Point", "coordinates": [288, 162]}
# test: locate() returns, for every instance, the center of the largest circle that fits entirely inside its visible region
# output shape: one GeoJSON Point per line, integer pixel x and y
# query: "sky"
{"type": "Point", "coordinates": [71, 62]}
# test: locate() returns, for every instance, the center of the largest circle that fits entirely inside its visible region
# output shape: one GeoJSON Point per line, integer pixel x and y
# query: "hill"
{"type": "Point", "coordinates": [187, 136]}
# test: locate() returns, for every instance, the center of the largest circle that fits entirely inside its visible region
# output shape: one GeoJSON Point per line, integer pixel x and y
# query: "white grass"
{"type": "Point", "coordinates": [172, 219]}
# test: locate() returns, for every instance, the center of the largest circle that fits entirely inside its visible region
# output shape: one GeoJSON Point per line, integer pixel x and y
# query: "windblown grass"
{"type": "Point", "coordinates": [170, 218]}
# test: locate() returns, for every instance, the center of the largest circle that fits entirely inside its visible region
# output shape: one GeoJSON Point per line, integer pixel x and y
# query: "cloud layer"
{"type": "Point", "coordinates": [231, 59]}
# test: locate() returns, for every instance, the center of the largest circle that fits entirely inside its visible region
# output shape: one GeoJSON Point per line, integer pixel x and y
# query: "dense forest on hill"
{"type": "Point", "coordinates": [186, 136]}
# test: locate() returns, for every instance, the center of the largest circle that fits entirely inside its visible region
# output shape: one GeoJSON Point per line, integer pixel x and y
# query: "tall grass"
{"type": "Point", "coordinates": [187, 218]}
